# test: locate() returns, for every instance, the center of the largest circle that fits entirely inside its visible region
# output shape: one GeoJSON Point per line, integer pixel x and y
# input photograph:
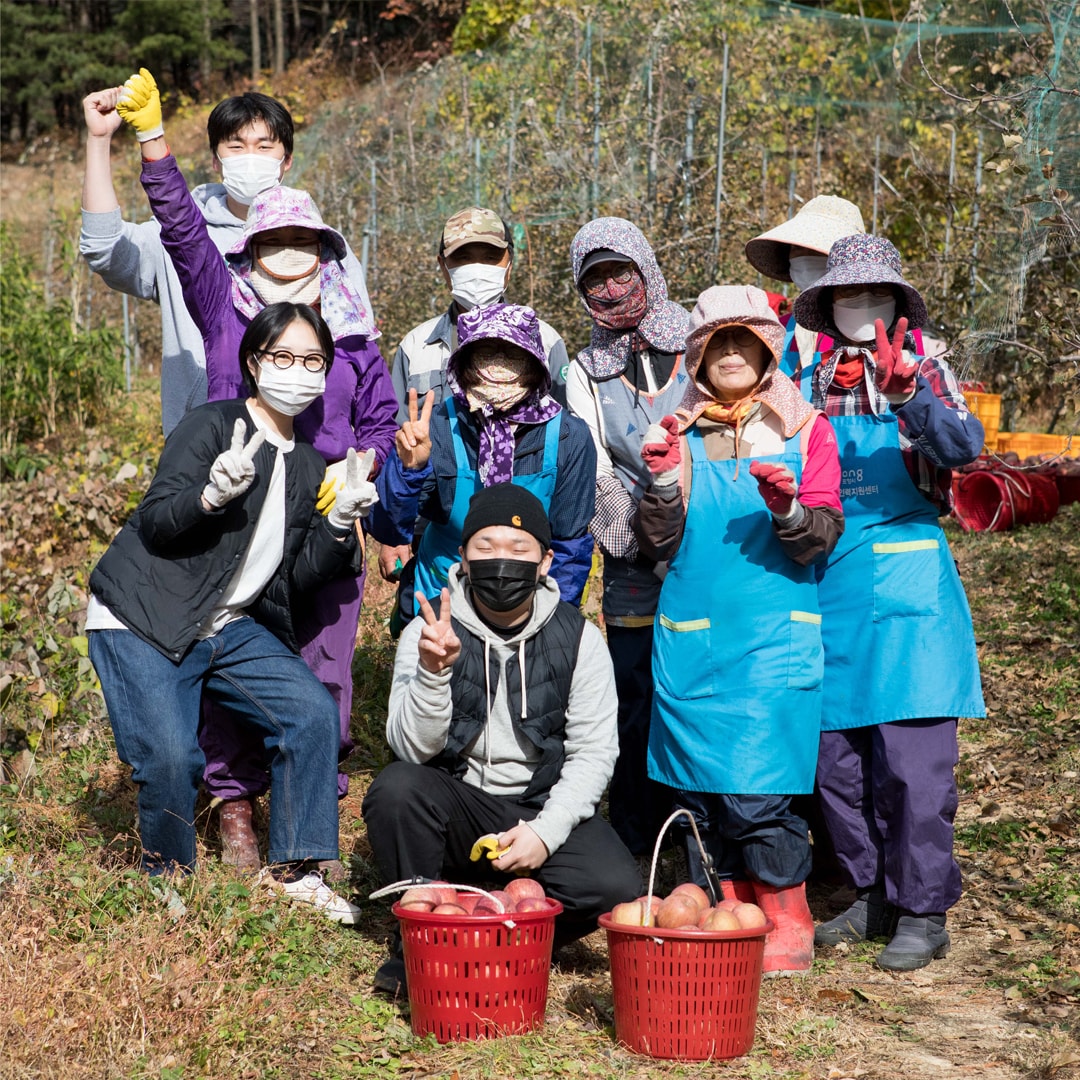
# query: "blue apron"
{"type": "Point", "coordinates": [440, 543]}
{"type": "Point", "coordinates": [737, 655]}
{"type": "Point", "coordinates": [899, 643]}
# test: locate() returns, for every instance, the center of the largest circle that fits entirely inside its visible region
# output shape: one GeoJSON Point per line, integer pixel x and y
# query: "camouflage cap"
{"type": "Point", "coordinates": [474, 225]}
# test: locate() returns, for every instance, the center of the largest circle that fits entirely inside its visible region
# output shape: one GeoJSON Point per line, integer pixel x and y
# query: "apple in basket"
{"type": "Point", "coordinates": [523, 887]}
{"type": "Point", "coordinates": [468, 900]}
{"type": "Point", "coordinates": [634, 913]}
{"type": "Point", "coordinates": [695, 892]}
{"type": "Point", "coordinates": [718, 919]}
{"type": "Point", "coordinates": [420, 898]}
{"type": "Point", "coordinates": [532, 903]}
{"type": "Point", "coordinates": [448, 909]}
{"type": "Point", "coordinates": [750, 916]}
{"type": "Point", "coordinates": [678, 909]}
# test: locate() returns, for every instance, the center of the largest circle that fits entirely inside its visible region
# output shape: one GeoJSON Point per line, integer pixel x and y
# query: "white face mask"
{"type": "Point", "coordinates": [246, 175]}
{"type": "Point", "coordinates": [476, 284]}
{"type": "Point", "coordinates": [855, 316]}
{"type": "Point", "coordinates": [807, 270]}
{"type": "Point", "coordinates": [289, 390]}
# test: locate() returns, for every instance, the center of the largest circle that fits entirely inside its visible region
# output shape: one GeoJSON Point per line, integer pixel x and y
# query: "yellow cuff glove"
{"type": "Point", "coordinates": [140, 106]}
{"type": "Point", "coordinates": [487, 844]}
{"type": "Point", "coordinates": [333, 482]}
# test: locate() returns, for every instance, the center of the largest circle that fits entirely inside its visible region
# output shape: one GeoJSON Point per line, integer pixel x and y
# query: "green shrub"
{"type": "Point", "coordinates": [53, 370]}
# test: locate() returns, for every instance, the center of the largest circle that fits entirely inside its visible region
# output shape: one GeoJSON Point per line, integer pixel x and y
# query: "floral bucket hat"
{"type": "Point", "coordinates": [511, 323]}
{"type": "Point", "coordinates": [279, 207]}
{"type": "Point", "coordinates": [859, 260]}
{"type": "Point", "coordinates": [817, 226]}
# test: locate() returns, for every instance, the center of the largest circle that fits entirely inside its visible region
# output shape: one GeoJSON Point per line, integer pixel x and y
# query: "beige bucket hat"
{"type": "Point", "coordinates": [817, 226]}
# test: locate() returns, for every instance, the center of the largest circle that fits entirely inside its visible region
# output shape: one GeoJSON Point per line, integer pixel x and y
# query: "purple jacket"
{"type": "Point", "coordinates": [358, 408]}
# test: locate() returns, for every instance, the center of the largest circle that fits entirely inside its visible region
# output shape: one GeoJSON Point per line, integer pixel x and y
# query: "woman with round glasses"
{"type": "Point", "coordinates": [194, 600]}
{"type": "Point", "coordinates": [498, 423]}
{"type": "Point", "coordinates": [286, 253]}
{"type": "Point", "coordinates": [744, 500]}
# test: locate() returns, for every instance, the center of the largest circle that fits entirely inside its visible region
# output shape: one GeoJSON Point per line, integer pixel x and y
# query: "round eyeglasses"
{"type": "Point", "coordinates": [595, 280]}
{"type": "Point", "coordinates": [282, 358]}
{"type": "Point", "coordinates": [740, 335]}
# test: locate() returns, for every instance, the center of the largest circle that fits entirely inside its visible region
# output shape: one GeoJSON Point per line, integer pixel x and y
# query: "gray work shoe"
{"type": "Point", "coordinates": [869, 917]}
{"type": "Point", "coordinates": [918, 940]}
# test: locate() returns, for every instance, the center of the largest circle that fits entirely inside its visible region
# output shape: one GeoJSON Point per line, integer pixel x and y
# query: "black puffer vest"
{"type": "Point", "coordinates": [550, 659]}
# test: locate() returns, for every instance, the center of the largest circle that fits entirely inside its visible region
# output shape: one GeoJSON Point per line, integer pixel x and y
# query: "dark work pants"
{"type": "Point", "coordinates": [423, 822]}
{"type": "Point", "coordinates": [637, 806]}
{"type": "Point", "coordinates": [756, 836]}
{"type": "Point", "coordinates": [888, 796]}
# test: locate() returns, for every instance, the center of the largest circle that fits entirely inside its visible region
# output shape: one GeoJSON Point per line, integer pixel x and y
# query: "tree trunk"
{"type": "Point", "coordinates": [279, 36]}
{"type": "Point", "coordinates": [256, 43]}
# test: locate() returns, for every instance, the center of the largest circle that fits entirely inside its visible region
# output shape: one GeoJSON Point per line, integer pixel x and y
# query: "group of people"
{"type": "Point", "coordinates": [783, 618]}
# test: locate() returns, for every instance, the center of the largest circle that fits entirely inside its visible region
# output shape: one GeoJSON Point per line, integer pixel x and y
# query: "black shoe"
{"type": "Point", "coordinates": [918, 940]}
{"type": "Point", "coordinates": [869, 917]}
{"type": "Point", "coordinates": [390, 978]}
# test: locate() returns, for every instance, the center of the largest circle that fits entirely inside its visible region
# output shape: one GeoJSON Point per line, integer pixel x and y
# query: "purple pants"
{"type": "Point", "coordinates": [888, 797]}
{"type": "Point", "coordinates": [236, 764]}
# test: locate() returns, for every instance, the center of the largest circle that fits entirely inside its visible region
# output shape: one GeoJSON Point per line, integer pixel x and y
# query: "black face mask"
{"type": "Point", "coordinates": [502, 584]}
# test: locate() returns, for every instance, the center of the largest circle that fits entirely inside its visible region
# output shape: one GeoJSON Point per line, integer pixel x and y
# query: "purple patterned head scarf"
{"type": "Point", "coordinates": [514, 325]}
{"type": "Point", "coordinates": [664, 324]}
{"type": "Point", "coordinates": [340, 302]}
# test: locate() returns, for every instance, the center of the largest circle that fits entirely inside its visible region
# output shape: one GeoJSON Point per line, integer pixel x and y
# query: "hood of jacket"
{"type": "Point", "coordinates": [664, 324]}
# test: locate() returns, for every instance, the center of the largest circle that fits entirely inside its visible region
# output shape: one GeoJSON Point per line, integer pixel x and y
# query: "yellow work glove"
{"type": "Point", "coordinates": [488, 844]}
{"type": "Point", "coordinates": [333, 482]}
{"type": "Point", "coordinates": [140, 106]}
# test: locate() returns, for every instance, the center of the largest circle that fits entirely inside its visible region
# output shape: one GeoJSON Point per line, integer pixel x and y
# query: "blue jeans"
{"type": "Point", "coordinates": [154, 710]}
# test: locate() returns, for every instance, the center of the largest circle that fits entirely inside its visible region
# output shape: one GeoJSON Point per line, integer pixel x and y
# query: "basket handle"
{"type": "Point", "coordinates": [407, 883]}
{"type": "Point", "coordinates": [716, 891]}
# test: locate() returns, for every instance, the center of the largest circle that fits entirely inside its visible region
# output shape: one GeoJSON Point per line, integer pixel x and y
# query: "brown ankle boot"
{"type": "Point", "coordinates": [239, 846]}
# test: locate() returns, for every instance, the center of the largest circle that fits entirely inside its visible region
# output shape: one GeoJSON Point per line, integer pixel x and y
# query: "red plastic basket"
{"type": "Point", "coordinates": [682, 994]}
{"type": "Point", "coordinates": [472, 976]}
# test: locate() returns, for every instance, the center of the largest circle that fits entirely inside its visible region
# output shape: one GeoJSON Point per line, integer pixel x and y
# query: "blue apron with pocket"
{"type": "Point", "coordinates": [737, 654]}
{"type": "Point", "coordinates": [899, 643]}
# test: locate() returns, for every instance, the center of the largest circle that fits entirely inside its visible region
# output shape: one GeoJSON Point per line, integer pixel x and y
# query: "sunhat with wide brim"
{"type": "Point", "coordinates": [817, 226]}
{"type": "Point", "coordinates": [281, 207]}
{"type": "Point", "coordinates": [858, 260]}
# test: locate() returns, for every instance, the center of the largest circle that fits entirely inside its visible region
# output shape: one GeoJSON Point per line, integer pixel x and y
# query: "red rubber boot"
{"type": "Point", "coordinates": [789, 948]}
{"type": "Point", "coordinates": [740, 889]}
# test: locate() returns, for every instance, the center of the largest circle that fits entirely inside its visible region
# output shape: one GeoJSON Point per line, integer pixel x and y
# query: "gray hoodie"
{"type": "Point", "coordinates": [130, 259]}
{"type": "Point", "coordinates": [499, 761]}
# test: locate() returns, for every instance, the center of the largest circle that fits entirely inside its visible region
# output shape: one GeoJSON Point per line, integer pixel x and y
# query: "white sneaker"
{"type": "Point", "coordinates": [311, 889]}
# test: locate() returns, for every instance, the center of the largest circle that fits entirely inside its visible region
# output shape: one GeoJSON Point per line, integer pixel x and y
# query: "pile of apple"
{"type": "Point", "coordinates": [441, 898]}
{"type": "Point", "coordinates": [688, 907]}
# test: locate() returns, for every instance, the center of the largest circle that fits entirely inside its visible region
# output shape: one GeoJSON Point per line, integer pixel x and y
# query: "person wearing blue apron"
{"type": "Point", "coordinates": [498, 424]}
{"type": "Point", "coordinates": [900, 658]}
{"type": "Point", "coordinates": [738, 660]}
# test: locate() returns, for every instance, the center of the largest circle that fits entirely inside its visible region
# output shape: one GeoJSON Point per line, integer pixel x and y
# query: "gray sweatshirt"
{"type": "Point", "coordinates": [499, 761]}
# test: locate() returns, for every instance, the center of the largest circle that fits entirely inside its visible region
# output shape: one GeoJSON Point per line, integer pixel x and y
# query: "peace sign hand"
{"type": "Point", "coordinates": [894, 374]}
{"type": "Point", "coordinates": [357, 495]}
{"type": "Point", "coordinates": [413, 440]}
{"type": "Point", "coordinates": [439, 646]}
{"type": "Point", "coordinates": [233, 470]}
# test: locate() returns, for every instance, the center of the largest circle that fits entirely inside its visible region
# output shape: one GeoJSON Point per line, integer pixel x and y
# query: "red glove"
{"type": "Point", "coordinates": [777, 485]}
{"type": "Point", "coordinates": [661, 452]}
{"type": "Point", "coordinates": [894, 375]}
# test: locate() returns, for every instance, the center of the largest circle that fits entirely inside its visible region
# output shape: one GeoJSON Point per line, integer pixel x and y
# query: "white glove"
{"type": "Point", "coordinates": [233, 470]}
{"type": "Point", "coordinates": [358, 495]}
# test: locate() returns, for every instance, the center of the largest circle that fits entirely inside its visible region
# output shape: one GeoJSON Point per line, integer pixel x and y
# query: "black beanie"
{"type": "Point", "coordinates": [507, 504]}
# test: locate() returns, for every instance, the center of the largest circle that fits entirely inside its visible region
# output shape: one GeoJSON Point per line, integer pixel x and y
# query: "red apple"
{"type": "Point", "coordinates": [504, 896]}
{"type": "Point", "coordinates": [468, 900]}
{"type": "Point", "coordinates": [719, 919]}
{"type": "Point", "coordinates": [448, 909]}
{"type": "Point", "coordinates": [729, 905]}
{"type": "Point", "coordinates": [532, 903]}
{"type": "Point", "coordinates": [750, 916]}
{"type": "Point", "coordinates": [633, 913]}
{"type": "Point", "coordinates": [677, 910]}
{"type": "Point", "coordinates": [653, 902]}
{"type": "Point", "coordinates": [420, 894]}
{"type": "Point", "coordinates": [695, 892]}
{"type": "Point", "coordinates": [446, 892]}
{"type": "Point", "coordinates": [484, 906]}
{"type": "Point", "coordinates": [521, 887]}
